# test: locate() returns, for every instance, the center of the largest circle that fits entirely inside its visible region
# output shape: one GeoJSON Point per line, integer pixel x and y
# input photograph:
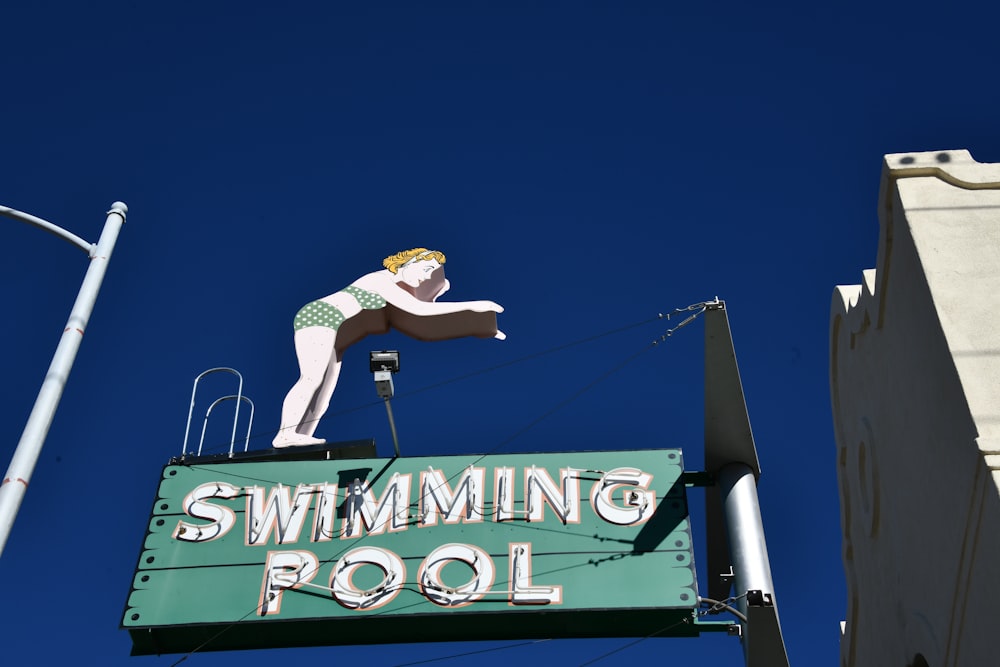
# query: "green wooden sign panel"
{"type": "Point", "coordinates": [299, 553]}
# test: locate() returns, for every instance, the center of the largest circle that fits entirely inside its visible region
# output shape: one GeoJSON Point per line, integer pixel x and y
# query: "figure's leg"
{"type": "Point", "coordinates": [321, 400]}
{"type": "Point", "coordinates": [315, 348]}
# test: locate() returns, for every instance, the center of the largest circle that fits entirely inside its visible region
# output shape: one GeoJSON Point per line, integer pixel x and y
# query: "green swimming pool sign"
{"type": "Point", "coordinates": [291, 552]}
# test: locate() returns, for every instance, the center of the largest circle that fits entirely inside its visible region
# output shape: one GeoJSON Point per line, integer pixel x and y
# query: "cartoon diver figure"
{"type": "Point", "coordinates": [402, 296]}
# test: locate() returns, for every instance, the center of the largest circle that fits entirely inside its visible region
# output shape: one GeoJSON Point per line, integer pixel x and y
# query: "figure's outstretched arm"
{"type": "Point", "coordinates": [400, 298]}
{"type": "Point", "coordinates": [425, 319]}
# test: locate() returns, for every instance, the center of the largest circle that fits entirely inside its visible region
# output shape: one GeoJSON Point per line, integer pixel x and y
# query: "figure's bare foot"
{"type": "Point", "coordinates": [285, 439]}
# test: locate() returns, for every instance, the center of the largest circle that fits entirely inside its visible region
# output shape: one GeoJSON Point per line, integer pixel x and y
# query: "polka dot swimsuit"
{"type": "Point", "coordinates": [368, 300]}
{"type": "Point", "coordinates": [322, 314]}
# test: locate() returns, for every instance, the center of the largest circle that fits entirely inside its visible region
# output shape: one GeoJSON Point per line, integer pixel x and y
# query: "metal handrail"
{"type": "Point", "coordinates": [208, 413]}
{"type": "Point", "coordinates": [194, 391]}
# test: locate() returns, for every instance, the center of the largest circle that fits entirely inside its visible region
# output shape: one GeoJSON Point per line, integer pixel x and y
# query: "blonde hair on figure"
{"type": "Point", "coordinates": [394, 262]}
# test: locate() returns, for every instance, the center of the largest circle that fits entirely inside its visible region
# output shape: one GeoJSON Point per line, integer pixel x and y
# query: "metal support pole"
{"type": "Point", "coordinates": [763, 645]}
{"type": "Point", "coordinates": [15, 482]}
{"type": "Point", "coordinates": [392, 426]}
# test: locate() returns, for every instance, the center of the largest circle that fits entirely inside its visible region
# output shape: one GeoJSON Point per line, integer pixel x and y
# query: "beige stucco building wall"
{"type": "Point", "coordinates": [915, 385]}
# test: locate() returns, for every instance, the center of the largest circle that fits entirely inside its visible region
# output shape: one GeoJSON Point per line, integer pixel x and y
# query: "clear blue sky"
{"type": "Point", "coordinates": [587, 165]}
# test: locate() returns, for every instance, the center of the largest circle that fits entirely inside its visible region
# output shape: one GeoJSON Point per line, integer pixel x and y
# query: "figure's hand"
{"type": "Point", "coordinates": [485, 307]}
{"type": "Point", "coordinates": [500, 335]}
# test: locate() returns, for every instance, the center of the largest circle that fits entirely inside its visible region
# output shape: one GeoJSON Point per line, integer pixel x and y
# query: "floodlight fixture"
{"type": "Point", "coordinates": [383, 365]}
{"type": "Point", "coordinates": [386, 360]}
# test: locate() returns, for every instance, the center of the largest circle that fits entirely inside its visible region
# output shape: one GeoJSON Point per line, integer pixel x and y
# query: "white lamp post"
{"type": "Point", "coordinates": [15, 482]}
